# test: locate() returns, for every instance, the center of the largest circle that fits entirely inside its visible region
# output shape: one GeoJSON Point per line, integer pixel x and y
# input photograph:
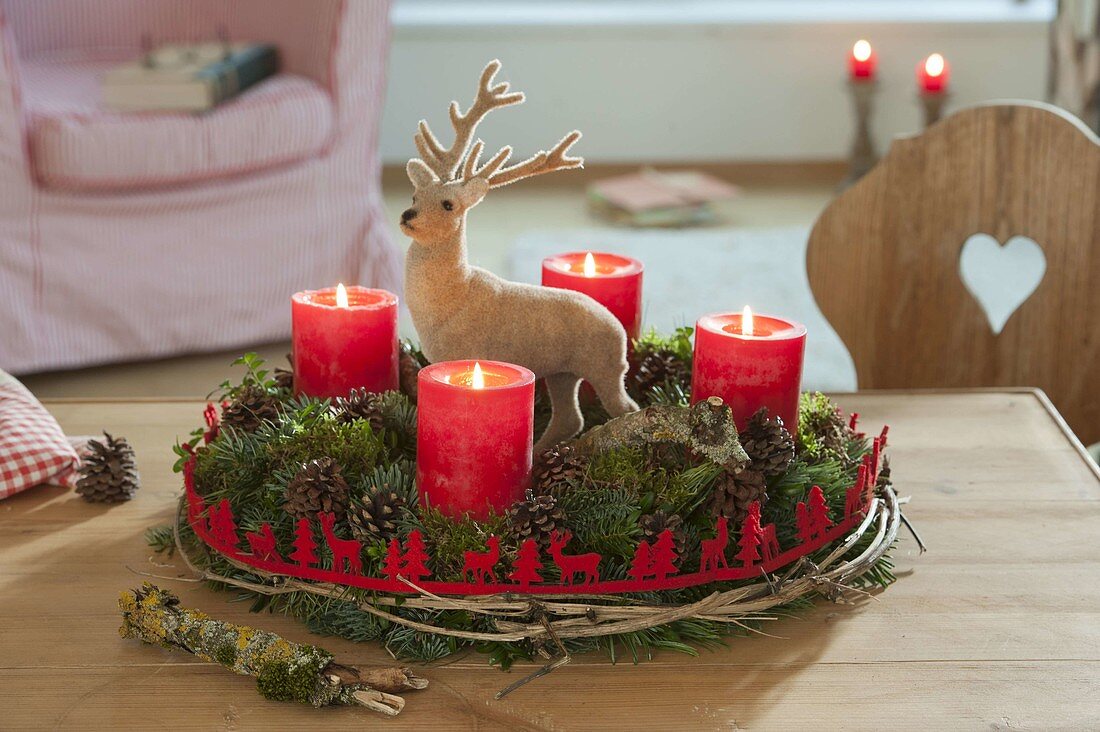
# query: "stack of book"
{"type": "Point", "coordinates": [651, 198]}
{"type": "Point", "coordinates": [181, 78]}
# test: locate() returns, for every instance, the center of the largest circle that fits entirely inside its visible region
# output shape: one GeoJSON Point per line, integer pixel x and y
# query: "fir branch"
{"type": "Point", "coordinates": [161, 539]}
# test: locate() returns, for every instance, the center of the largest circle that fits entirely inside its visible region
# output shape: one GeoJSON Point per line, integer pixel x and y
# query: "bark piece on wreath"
{"type": "Point", "coordinates": [705, 427]}
{"type": "Point", "coordinates": [284, 671]}
{"type": "Point", "coordinates": [536, 517]}
{"type": "Point", "coordinates": [466, 312]}
{"type": "Point", "coordinates": [318, 486]}
{"type": "Point", "coordinates": [735, 492]}
{"type": "Point", "coordinates": [108, 473]}
{"type": "Point", "coordinates": [250, 408]}
{"type": "Point", "coordinates": [769, 445]}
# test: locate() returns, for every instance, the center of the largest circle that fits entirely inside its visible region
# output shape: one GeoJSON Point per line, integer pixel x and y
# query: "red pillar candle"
{"type": "Point", "coordinates": [475, 423]}
{"type": "Point", "coordinates": [862, 61]}
{"type": "Point", "coordinates": [751, 362]}
{"type": "Point", "coordinates": [613, 281]}
{"type": "Point", "coordinates": [932, 74]}
{"type": "Point", "coordinates": [344, 338]}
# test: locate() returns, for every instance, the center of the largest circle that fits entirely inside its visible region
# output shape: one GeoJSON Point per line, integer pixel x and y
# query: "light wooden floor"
{"type": "Point", "coordinates": [773, 195]}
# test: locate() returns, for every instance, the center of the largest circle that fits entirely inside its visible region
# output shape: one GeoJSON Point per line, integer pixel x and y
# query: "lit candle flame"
{"type": "Point", "coordinates": [589, 265]}
{"type": "Point", "coordinates": [746, 321]}
{"type": "Point", "coordinates": [862, 50]}
{"type": "Point", "coordinates": [933, 65]}
{"type": "Point", "coordinates": [341, 296]}
{"type": "Point", "coordinates": [477, 380]}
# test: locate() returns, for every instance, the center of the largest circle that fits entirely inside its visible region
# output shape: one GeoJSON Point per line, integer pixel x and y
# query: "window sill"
{"type": "Point", "coordinates": [488, 14]}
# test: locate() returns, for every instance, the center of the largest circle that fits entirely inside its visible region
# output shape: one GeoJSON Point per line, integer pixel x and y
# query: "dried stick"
{"type": "Point", "coordinates": [706, 427]}
{"type": "Point", "coordinates": [284, 671]}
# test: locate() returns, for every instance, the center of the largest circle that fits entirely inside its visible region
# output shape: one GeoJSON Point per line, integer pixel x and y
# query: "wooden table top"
{"type": "Point", "coordinates": [996, 627]}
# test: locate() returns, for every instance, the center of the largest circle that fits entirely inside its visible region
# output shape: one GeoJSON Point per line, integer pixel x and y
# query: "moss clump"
{"type": "Point", "coordinates": [353, 445]}
{"type": "Point", "coordinates": [449, 539]}
{"type": "Point", "coordinates": [823, 434]}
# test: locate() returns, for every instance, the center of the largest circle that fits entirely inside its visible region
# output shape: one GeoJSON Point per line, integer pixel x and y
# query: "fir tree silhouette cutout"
{"type": "Point", "coordinates": [812, 521]}
{"type": "Point", "coordinates": [525, 570]}
{"type": "Point", "coordinates": [752, 536]}
{"type": "Point", "coordinates": [414, 564]}
{"type": "Point", "coordinates": [305, 546]}
{"type": "Point", "coordinates": [802, 523]}
{"type": "Point", "coordinates": [392, 566]}
{"type": "Point", "coordinates": [222, 526]}
{"type": "Point", "coordinates": [819, 512]}
{"type": "Point", "coordinates": [642, 566]}
{"type": "Point", "coordinates": [664, 555]}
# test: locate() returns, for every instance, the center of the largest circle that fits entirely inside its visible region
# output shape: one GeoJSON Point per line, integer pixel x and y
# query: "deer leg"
{"type": "Point", "coordinates": [566, 419]}
{"type": "Point", "coordinates": [612, 393]}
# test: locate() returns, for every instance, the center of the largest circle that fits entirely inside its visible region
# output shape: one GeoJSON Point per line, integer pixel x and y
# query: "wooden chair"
{"type": "Point", "coordinates": [883, 258]}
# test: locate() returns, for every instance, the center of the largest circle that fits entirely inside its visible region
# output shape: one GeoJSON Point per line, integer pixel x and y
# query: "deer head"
{"type": "Point", "coordinates": [558, 539]}
{"type": "Point", "coordinates": [449, 182]}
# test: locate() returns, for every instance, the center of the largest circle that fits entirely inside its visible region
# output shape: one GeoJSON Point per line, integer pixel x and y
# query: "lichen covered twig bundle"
{"type": "Point", "coordinates": [284, 671]}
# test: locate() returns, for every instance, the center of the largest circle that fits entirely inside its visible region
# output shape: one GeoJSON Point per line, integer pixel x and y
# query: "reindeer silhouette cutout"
{"type": "Point", "coordinates": [263, 544]}
{"type": "Point", "coordinates": [561, 335]}
{"type": "Point", "coordinates": [770, 546]}
{"type": "Point", "coordinates": [345, 552]}
{"type": "Point", "coordinates": [479, 565]}
{"type": "Point", "coordinates": [713, 551]}
{"type": "Point", "coordinates": [571, 564]}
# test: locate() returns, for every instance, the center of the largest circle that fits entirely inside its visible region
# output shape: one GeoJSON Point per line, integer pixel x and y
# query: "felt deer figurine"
{"type": "Point", "coordinates": [465, 312]}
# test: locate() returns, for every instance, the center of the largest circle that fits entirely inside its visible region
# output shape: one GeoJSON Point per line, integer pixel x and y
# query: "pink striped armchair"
{"type": "Point", "coordinates": [134, 236]}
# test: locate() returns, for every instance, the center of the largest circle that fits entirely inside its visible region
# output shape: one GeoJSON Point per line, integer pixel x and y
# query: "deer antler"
{"type": "Point", "coordinates": [445, 163]}
{"type": "Point", "coordinates": [541, 162]}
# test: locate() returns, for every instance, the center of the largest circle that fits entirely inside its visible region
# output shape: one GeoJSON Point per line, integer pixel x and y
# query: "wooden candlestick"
{"type": "Point", "coordinates": [863, 156]}
{"type": "Point", "coordinates": [932, 103]}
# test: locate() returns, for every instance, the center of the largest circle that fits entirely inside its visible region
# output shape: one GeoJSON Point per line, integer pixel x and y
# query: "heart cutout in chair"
{"type": "Point", "coordinates": [1001, 277]}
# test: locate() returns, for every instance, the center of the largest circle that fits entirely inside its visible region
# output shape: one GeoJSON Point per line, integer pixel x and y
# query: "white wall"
{"type": "Point", "coordinates": [731, 88]}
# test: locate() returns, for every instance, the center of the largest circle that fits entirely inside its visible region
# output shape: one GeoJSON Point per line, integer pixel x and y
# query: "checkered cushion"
{"type": "Point", "coordinates": [33, 449]}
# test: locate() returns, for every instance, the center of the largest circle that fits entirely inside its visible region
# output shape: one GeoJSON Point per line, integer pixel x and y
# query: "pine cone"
{"type": "Point", "coordinates": [536, 518]}
{"type": "Point", "coordinates": [284, 378]}
{"type": "Point", "coordinates": [654, 524]}
{"type": "Point", "coordinates": [408, 369]}
{"type": "Point", "coordinates": [360, 404]}
{"type": "Point", "coordinates": [317, 487]}
{"type": "Point", "coordinates": [735, 492]}
{"type": "Point", "coordinates": [376, 518]}
{"type": "Point", "coordinates": [658, 368]}
{"type": "Point", "coordinates": [555, 467]}
{"type": "Point", "coordinates": [107, 472]}
{"type": "Point", "coordinates": [769, 446]}
{"type": "Point", "coordinates": [250, 408]}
